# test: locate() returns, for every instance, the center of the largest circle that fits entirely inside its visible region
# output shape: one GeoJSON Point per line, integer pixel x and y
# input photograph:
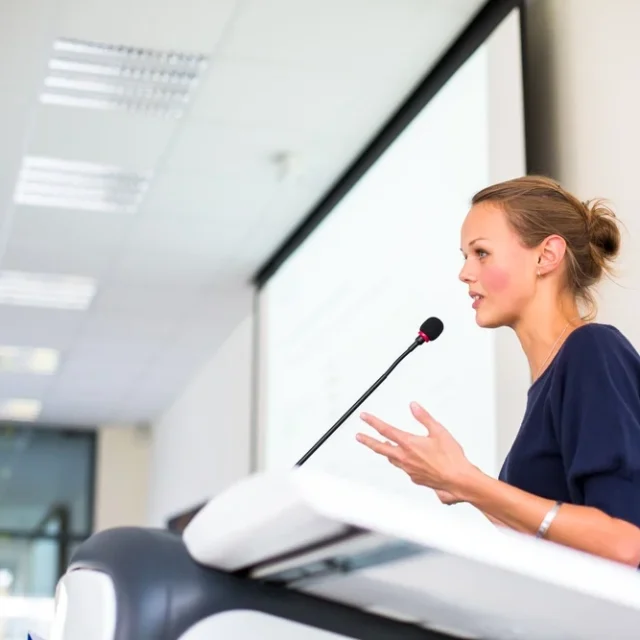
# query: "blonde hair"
{"type": "Point", "coordinates": [538, 207]}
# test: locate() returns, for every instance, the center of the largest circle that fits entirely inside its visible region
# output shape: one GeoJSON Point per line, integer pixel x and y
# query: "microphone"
{"type": "Point", "coordinates": [429, 331]}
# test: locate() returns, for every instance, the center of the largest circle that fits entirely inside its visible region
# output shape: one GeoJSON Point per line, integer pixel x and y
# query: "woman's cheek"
{"type": "Point", "coordinates": [495, 279]}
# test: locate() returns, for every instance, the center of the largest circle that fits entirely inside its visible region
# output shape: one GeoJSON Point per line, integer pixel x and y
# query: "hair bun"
{"type": "Point", "coordinates": [604, 232]}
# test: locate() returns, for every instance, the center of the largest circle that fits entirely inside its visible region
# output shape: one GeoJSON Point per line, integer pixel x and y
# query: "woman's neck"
{"type": "Point", "coordinates": [543, 331]}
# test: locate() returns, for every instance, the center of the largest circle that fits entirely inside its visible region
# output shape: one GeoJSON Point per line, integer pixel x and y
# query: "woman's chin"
{"type": "Point", "coordinates": [488, 320]}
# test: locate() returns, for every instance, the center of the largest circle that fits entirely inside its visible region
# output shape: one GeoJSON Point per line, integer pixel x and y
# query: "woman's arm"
{"type": "Point", "coordinates": [583, 528]}
{"type": "Point", "coordinates": [495, 521]}
{"type": "Point", "coordinates": [438, 461]}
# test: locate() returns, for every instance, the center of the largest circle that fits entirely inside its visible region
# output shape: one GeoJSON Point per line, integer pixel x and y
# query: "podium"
{"type": "Point", "coordinates": [308, 556]}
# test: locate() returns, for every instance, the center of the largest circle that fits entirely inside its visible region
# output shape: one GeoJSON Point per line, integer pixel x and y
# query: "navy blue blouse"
{"type": "Point", "coordinates": [579, 441]}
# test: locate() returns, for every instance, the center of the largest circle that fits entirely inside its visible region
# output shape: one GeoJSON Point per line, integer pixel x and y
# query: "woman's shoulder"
{"type": "Point", "coordinates": [596, 342]}
{"type": "Point", "coordinates": [593, 333]}
{"type": "Point", "coordinates": [597, 366]}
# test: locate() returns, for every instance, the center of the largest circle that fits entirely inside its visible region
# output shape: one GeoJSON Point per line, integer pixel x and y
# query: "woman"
{"type": "Point", "coordinates": [532, 252]}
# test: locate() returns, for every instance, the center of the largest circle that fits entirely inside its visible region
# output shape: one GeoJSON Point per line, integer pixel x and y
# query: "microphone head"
{"type": "Point", "coordinates": [431, 329]}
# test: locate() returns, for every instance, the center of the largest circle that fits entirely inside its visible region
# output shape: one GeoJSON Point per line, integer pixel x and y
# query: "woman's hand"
{"type": "Point", "coordinates": [435, 460]}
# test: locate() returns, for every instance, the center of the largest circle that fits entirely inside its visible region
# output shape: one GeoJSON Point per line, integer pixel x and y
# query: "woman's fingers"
{"type": "Point", "coordinates": [387, 449]}
{"type": "Point", "coordinates": [426, 419]}
{"type": "Point", "coordinates": [385, 429]}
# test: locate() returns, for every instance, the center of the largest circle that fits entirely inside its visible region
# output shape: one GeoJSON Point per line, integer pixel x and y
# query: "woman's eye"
{"type": "Point", "coordinates": [481, 253]}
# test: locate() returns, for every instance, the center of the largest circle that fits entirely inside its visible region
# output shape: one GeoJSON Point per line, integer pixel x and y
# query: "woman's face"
{"type": "Point", "coordinates": [498, 269]}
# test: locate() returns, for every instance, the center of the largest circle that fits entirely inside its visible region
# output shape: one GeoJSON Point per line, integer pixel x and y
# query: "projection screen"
{"type": "Point", "coordinates": [351, 297]}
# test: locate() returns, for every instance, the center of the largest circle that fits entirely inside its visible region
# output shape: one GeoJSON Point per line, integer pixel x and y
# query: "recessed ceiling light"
{"type": "Point", "coordinates": [52, 182]}
{"type": "Point", "coordinates": [96, 75]}
{"type": "Point", "coordinates": [28, 360]}
{"type": "Point", "coordinates": [21, 409]}
{"type": "Point", "coordinates": [46, 290]}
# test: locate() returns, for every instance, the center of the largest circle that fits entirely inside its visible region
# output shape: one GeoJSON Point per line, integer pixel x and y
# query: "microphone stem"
{"type": "Point", "coordinates": [417, 342]}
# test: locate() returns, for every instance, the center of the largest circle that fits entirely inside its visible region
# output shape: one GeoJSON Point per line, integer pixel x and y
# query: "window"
{"type": "Point", "coordinates": [46, 496]}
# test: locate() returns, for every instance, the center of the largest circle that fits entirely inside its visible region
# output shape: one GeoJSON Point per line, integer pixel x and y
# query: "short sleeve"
{"type": "Point", "coordinates": [599, 422]}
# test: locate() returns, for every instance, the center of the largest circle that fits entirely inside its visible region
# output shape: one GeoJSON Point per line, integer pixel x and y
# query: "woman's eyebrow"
{"type": "Point", "coordinates": [474, 241]}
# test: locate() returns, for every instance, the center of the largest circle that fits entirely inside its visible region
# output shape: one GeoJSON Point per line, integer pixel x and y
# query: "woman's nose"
{"type": "Point", "coordinates": [465, 274]}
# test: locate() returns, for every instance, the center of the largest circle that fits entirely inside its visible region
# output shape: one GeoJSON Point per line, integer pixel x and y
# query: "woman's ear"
{"type": "Point", "coordinates": [551, 253]}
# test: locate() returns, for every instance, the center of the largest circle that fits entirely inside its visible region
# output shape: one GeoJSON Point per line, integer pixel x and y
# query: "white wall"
{"type": "Point", "coordinates": [122, 477]}
{"type": "Point", "coordinates": [202, 444]}
{"type": "Point", "coordinates": [584, 117]}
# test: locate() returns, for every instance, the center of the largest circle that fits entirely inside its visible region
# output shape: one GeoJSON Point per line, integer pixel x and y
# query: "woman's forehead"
{"type": "Point", "coordinates": [485, 220]}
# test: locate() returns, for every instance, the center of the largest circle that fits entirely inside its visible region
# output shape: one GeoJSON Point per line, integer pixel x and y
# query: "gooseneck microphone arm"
{"type": "Point", "coordinates": [351, 410]}
{"type": "Point", "coordinates": [429, 331]}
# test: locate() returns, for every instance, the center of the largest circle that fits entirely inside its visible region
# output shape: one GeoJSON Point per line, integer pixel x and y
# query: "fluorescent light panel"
{"type": "Point", "coordinates": [28, 360]}
{"type": "Point", "coordinates": [20, 409]}
{"type": "Point", "coordinates": [46, 290]}
{"type": "Point", "coordinates": [57, 183]}
{"type": "Point", "coordinates": [95, 75]}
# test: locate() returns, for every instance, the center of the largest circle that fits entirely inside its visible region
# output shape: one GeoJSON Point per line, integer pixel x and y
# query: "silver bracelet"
{"type": "Point", "coordinates": [548, 519]}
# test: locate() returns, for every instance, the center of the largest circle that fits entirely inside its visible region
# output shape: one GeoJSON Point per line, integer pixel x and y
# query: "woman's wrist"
{"type": "Point", "coordinates": [465, 484]}
{"type": "Point", "coordinates": [501, 501]}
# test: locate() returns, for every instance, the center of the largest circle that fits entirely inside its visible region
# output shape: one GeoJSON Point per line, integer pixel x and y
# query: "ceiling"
{"type": "Point", "coordinates": [292, 92]}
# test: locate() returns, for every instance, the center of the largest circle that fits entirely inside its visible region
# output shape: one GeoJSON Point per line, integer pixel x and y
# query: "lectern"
{"type": "Point", "coordinates": [307, 556]}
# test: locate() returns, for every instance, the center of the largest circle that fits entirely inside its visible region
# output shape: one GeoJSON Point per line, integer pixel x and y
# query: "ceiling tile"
{"type": "Point", "coordinates": [154, 268]}
{"type": "Point", "coordinates": [110, 388]}
{"type": "Point", "coordinates": [23, 385]}
{"type": "Point", "coordinates": [129, 141]}
{"type": "Point", "coordinates": [139, 329]}
{"type": "Point", "coordinates": [335, 34]}
{"type": "Point", "coordinates": [168, 253]}
{"type": "Point", "coordinates": [132, 299]}
{"type": "Point", "coordinates": [68, 242]}
{"type": "Point", "coordinates": [105, 358]}
{"type": "Point", "coordinates": [221, 150]}
{"type": "Point", "coordinates": [92, 260]}
{"type": "Point", "coordinates": [61, 227]}
{"type": "Point", "coordinates": [206, 239]}
{"type": "Point", "coordinates": [258, 94]}
{"type": "Point", "coordinates": [197, 199]}
{"type": "Point", "coordinates": [183, 25]}
{"type": "Point", "coordinates": [32, 327]}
